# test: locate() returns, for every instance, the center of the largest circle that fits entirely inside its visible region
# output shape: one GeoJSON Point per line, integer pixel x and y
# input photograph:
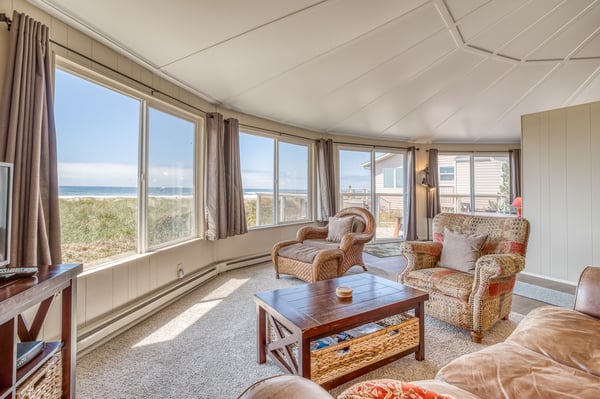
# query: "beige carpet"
{"type": "Point", "coordinates": [204, 346]}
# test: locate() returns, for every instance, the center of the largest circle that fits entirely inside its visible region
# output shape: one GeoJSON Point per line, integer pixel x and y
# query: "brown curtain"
{"type": "Point", "coordinates": [28, 140]}
{"type": "Point", "coordinates": [411, 196]}
{"type": "Point", "coordinates": [326, 178]}
{"type": "Point", "coordinates": [433, 183]}
{"type": "Point", "coordinates": [514, 164]}
{"type": "Point", "coordinates": [225, 214]}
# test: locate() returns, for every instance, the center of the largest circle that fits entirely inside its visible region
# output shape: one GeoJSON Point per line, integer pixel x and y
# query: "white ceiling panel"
{"type": "Point", "coordinates": [382, 113]}
{"type": "Point", "coordinates": [590, 92]}
{"type": "Point", "coordinates": [432, 113]}
{"type": "Point", "coordinates": [345, 101]}
{"type": "Point", "coordinates": [573, 36]}
{"type": "Point", "coordinates": [474, 118]}
{"type": "Point", "coordinates": [590, 49]}
{"type": "Point", "coordinates": [494, 37]}
{"type": "Point", "coordinates": [323, 75]}
{"type": "Point", "coordinates": [545, 29]}
{"type": "Point", "coordinates": [145, 26]}
{"type": "Point", "coordinates": [551, 93]}
{"type": "Point", "coordinates": [488, 16]}
{"type": "Point", "coordinates": [419, 70]}
{"type": "Point", "coordinates": [460, 8]}
{"type": "Point", "coordinates": [248, 60]}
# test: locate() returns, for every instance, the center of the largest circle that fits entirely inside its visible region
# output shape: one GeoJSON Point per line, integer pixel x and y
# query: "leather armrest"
{"type": "Point", "coordinates": [285, 387]}
{"type": "Point", "coordinates": [587, 297]}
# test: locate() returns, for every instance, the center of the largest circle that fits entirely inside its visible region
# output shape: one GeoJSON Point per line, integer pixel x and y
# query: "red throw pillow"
{"type": "Point", "coordinates": [388, 389]}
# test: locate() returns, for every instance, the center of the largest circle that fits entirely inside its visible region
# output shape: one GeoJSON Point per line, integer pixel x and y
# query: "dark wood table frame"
{"type": "Point", "coordinates": [307, 312]}
{"type": "Point", "coordinates": [19, 295]}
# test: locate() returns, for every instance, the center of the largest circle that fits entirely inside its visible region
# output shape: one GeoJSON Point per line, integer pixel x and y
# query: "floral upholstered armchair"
{"type": "Point", "coordinates": [319, 253]}
{"type": "Point", "coordinates": [469, 269]}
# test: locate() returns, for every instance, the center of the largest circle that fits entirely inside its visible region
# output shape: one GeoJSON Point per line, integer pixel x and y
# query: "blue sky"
{"type": "Point", "coordinates": [98, 137]}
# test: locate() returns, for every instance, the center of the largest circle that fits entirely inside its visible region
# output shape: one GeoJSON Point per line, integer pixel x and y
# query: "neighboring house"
{"type": "Point", "coordinates": [488, 178]}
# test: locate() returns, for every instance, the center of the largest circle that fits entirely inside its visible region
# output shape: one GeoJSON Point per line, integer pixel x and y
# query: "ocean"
{"type": "Point", "coordinates": [109, 191]}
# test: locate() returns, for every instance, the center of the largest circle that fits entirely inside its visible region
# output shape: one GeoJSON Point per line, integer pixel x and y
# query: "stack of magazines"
{"type": "Point", "coordinates": [347, 335]}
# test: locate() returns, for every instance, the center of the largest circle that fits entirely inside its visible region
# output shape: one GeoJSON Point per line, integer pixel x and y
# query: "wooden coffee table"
{"type": "Point", "coordinates": [307, 312]}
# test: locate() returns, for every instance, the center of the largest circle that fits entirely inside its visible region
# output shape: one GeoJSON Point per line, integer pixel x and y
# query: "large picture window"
{"type": "Point", "coordinates": [170, 206]}
{"type": "Point", "coordinates": [474, 183]}
{"type": "Point", "coordinates": [124, 186]}
{"type": "Point", "coordinates": [262, 158]}
{"type": "Point", "coordinates": [374, 180]}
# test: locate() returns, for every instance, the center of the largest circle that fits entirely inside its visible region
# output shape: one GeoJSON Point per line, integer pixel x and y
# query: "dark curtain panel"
{"type": "Point", "coordinates": [411, 200]}
{"type": "Point", "coordinates": [514, 166]}
{"type": "Point", "coordinates": [434, 185]}
{"type": "Point", "coordinates": [236, 214]}
{"type": "Point", "coordinates": [28, 140]}
{"type": "Point", "coordinates": [326, 178]}
{"type": "Point", "coordinates": [224, 196]}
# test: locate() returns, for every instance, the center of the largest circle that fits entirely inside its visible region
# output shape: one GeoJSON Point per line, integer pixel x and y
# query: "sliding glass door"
{"type": "Point", "coordinates": [374, 180]}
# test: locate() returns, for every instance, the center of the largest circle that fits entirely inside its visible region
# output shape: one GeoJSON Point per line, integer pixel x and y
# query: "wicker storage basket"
{"type": "Point", "coordinates": [45, 383]}
{"type": "Point", "coordinates": [334, 361]}
{"type": "Point", "coordinates": [400, 334]}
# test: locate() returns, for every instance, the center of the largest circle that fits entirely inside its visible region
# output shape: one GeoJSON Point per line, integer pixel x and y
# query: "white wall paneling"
{"type": "Point", "coordinates": [561, 184]}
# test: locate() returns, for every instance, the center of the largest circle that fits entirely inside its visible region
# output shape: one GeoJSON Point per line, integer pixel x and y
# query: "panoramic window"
{"type": "Point", "coordinates": [259, 160]}
{"type": "Point", "coordinates": [379, 189]}
{"type": "Point", "coordinates": [474, 183]}
{"type": "Point", "coordinates": [170, 178]}
{"type": "Point", "coordinates": [100, 172]}
{"type": "Point", "coordinates": [293, 182]}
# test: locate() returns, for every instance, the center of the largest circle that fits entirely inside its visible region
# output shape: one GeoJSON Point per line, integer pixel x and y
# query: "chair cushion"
{"type": "Point", "coordinates": [449, 282]}
{"type": "Point", "coordinates": [301, 252]}
{"type": "Point", "coordinates": [322, 244]}
{"type": "Point", "coordinates": [338, 227]}
{"type": "Point", "coordinates": [461, 251]}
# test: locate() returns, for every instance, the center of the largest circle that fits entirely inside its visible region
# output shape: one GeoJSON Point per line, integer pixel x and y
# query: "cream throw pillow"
{"type": "Point", "coordinates": [338, 227]}
{"type": "Point", "coordinates": [461, 251]}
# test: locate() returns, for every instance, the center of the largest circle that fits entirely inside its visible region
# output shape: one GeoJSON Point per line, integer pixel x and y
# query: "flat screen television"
{"type": "Point", "coordinates": [6, 191]}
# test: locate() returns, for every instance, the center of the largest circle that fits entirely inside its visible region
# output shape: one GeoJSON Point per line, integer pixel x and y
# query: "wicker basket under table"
{"type": "Point", "coordinates": [45, 383]}
{"type": "Point", "coordinates": [328, 363]}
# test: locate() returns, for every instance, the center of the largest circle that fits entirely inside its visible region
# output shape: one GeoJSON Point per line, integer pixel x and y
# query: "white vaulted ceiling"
{"type": "Point", "coordinates": [414, 70]}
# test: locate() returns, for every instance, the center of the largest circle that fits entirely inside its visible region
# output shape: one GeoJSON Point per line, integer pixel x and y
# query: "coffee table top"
{"type": "Point", "coordinates": [314, 308]}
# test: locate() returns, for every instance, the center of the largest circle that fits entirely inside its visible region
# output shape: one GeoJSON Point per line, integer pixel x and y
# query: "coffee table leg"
{"type": "Point", "coordinates": [261, 327]}
{"type": "Point", "coordinates": [420, 311]}
{"type": "Point", "coordinates": [304, 358]}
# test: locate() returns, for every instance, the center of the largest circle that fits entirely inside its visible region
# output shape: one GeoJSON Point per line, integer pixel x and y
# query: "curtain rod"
{"type": "Point", "coordinates": [151, 88]}
{"type": "Point", "coordinates": [4, 18]}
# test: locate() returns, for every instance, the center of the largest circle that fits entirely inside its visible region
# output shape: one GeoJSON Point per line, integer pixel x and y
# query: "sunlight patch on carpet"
{"type": "Point", "coordinates": [187, 318]}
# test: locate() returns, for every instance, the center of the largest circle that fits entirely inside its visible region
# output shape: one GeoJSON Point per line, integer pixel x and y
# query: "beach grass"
{"type": "Point", "coordinates": [101, 229]}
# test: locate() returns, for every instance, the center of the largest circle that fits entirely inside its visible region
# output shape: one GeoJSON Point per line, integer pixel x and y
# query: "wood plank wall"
{"type": "Point", "coordinates": [561, 190]}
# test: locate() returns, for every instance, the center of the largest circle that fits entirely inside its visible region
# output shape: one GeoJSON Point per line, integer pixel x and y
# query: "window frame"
{"type": "Point", "coordinates": [310, 194]}
{"type": "Point", "coordinates": [148, 101]}
{"type": "Point", "coordinates": [471, 155]}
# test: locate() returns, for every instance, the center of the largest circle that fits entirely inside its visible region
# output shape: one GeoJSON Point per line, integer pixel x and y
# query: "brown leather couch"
{"type": "Point", "coordinates": [553, 353]}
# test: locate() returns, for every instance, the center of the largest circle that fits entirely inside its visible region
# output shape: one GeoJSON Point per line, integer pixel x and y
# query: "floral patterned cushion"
{"type": "Point", "coordinates": [388, 389]}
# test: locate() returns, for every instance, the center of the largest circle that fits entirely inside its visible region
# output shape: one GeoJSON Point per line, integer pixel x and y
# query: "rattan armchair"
{"type": "Point", "coordinates": [475, 299]}
{"type": "Point", "coordinates": [311, 257]}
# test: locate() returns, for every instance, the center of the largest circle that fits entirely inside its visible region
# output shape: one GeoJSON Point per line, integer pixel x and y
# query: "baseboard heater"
{"type": "Point", "coordinates": [90, 337]}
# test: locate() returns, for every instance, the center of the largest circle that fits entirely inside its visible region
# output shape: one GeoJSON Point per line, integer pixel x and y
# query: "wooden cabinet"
{"type": "Point", "coordinates": [19, 295]}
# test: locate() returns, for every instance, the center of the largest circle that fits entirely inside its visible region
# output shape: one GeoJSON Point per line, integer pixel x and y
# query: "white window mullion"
{"type": "Point", "coordinates": [142, 237]}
